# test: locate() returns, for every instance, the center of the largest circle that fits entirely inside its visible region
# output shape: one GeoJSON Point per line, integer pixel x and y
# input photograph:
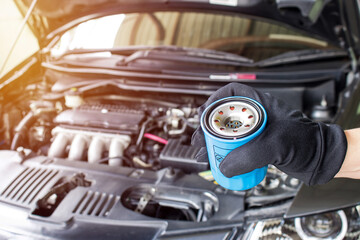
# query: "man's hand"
{"type": "Point", "coordinates": [310, 151]}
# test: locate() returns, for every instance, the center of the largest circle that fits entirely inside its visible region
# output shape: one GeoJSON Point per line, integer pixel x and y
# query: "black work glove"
{"type": "Point", "coordinates": [310, 151]}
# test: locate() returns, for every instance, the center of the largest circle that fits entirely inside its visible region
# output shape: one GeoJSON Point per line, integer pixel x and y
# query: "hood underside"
{"type": "Point", "coordinates": [316, 17]}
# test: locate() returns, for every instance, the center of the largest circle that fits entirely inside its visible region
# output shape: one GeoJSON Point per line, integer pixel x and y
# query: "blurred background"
{"type": "Point", "coordinates": [10, 23]}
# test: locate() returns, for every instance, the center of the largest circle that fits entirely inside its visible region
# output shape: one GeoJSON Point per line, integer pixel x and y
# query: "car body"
{"type": "Point", "coordinates": [97, 125]}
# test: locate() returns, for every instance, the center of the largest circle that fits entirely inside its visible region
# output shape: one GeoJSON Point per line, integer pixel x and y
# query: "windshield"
{"type": "Point", "coordinates": [247, 37]}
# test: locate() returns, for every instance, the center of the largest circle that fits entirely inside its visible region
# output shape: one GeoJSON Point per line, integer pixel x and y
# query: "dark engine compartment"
{"type": "Point", "coordinates": [116, 201]}
{"type": "Point", "coordinates": [97, 159]}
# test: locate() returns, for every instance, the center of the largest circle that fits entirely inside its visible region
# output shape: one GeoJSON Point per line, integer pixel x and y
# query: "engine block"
{"type": "Point", "coordinates": [77, 145]}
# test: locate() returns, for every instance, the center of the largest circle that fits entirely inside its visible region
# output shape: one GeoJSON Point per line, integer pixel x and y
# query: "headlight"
{"type": "Point", "coordinates": [333, 225]}
{"type": "Point", "coordinates": [338, 225]}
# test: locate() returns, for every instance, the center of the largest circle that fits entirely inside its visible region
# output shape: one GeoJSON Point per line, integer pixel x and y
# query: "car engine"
{"type": "Point", "coordinates": [101, 153]}
{"type": "Point", "coordinates": [125, 133]}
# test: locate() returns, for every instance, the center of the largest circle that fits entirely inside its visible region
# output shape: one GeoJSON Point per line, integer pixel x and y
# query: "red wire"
{"type": "Point", "coordinates": [156, 138]}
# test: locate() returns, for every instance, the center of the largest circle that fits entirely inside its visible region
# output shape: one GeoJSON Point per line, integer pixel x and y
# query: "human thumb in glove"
{"type": "Point", "coordinates": [310, 151]}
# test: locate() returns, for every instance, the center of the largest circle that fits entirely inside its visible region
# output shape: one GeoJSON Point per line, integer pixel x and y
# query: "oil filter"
{"type": "Point", "coordinates": [228, 124]}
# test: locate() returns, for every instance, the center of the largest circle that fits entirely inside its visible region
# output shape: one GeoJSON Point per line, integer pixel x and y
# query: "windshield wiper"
{"type": "Point", "coordinates": [171, 53]}
{"type": "Point", "coordinates": [301, 56]}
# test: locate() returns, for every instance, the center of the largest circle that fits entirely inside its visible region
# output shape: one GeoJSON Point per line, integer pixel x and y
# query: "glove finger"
{"type": "Point", "coordinates": [202, 155]}
{"type": "Point", "coordinates": [236, 163]}
{"type": "Point", "coordinates": [255, 154]}
{"type": "Point", "coordinates": [198, 138]}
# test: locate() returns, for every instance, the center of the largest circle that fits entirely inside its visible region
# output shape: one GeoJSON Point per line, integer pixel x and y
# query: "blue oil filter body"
{"type": "Point", "coordinates": [219, 145]}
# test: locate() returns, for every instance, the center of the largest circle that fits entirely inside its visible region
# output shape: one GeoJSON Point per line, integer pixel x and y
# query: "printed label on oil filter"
{"type": "Point", "coordinates": [220, 153]}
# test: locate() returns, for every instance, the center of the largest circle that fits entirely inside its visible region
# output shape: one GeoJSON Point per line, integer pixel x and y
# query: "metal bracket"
{"type": "Point", "coordinates": [144, 200]}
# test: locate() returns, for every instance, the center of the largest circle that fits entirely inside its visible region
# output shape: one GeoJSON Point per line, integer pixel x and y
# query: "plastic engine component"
{"type": "Point", "coordinates": [103, 116]}
{"type": "Point", "coordinates": [178, 155]}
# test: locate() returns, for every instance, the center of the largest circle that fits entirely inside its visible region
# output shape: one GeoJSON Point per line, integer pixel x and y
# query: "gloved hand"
{"type": "Point", "coordinates": [310, 151]}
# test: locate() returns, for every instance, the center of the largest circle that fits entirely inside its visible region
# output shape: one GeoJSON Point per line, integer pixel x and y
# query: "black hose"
{"type": "Point", "coordinates": [144, 127]}
{"type": "Point", "coordinates": [21, 130]}
{"type": "Point", "coordinates": [142, 132]}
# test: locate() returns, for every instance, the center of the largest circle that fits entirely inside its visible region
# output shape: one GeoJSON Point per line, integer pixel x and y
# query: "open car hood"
{"type": "Point", "coordinates": [322, 18]}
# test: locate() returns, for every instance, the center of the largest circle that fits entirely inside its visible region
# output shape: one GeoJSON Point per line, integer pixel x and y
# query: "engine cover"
{"type": "Point", "coordinates": [103, 116]}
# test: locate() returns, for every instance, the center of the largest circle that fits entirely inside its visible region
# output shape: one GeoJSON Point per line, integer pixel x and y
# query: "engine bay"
{"type": "Point", "coordinates": [130, 129]}
{"type": "Point", "coordinates": [80, 154]}
{"type": "Point", "coordinates": [96, 125]}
